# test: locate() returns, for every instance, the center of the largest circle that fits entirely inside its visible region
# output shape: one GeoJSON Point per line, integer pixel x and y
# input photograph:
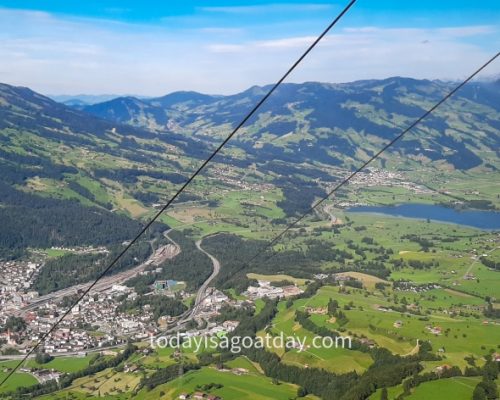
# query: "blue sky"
{"type": "Point", "coordinates": [154, 47]}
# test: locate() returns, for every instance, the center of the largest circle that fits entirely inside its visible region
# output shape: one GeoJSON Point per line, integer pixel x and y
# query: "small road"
{"type": "Point", "coordinates": [478, 260]}
{"type": "Point", "coordinates": [329, 210]}
{"type": "Point", "coordinates": [413, 351]}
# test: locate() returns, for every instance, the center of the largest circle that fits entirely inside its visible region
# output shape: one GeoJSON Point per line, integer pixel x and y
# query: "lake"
{"type": "Point", "coordinates": [488, 220]}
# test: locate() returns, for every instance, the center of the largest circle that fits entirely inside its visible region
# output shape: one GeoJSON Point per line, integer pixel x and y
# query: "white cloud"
{"type": "Point", "coordinates": [278, 44]}
{"type": "Point", "coordinates": [226, 48]}
{"type": "Point", "coordinates": [60, 55]}
{"type": "Point", "coordinates": [287, 43]}
{"type": "Point", "coordinates": [268, 8]}
{"type": "Point", "coordinates": [221, 30]}
{"type": "Point", "coordinates": [468, 31]}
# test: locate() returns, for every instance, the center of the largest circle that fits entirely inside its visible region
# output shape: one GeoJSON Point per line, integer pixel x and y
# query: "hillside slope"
{"type": "Point", "coordinates": [335, 123]}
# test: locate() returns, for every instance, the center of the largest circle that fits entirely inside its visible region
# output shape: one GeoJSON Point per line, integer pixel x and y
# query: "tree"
{"type": "Point", "coordinates": [42, 357]}
{"type": "Point", "coordinates": [489, 388]}
{"type": "Point", "coordinates": [14, 324]}
{"type": "Point", "coordinates": [490, 371]}
{"type": "Point", "coordinates": [332, 307]}
{"type": "Point", "coordinates": [479, 394]}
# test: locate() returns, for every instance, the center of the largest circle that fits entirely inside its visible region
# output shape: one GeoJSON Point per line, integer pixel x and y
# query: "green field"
{"type": "Point", "coordinates": [459, 388]}
{"type": "Point", "coordinates": [251, 386]}
{"type": "Point", "coordinates": [62, 364]}
{"type": "Point", "coordinates": [461, 336]}
{"type": "Point", "coordinates": [277, 278]}
{"type": "Point", "coordinates": [18, 379]}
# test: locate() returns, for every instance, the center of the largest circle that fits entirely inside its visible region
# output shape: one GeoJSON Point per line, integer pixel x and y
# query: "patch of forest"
{"type": "Point", "coordinates": [190, 265]}
{"type": "Point", "coordinates": [31, 221]}
{"type": "Point", "coordinates": [71, 269]}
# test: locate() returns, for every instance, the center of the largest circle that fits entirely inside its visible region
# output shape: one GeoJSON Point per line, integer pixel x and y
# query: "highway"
{"type": "Point", "coordinates": [161, 254]}
{"type": "Point", "coordinates": [200, 295]}
{"type": "Point", "coordinates": [203, 288]}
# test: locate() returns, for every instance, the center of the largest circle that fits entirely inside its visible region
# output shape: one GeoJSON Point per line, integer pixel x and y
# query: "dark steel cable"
{"type": "Point", "coordinates": [359, 169]}
{"type": "Point", "coordinates": [179, 191]}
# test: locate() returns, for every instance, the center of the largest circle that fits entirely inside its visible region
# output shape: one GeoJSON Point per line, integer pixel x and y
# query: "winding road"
{"type": "Point", "coordinates": [203, 288]}
{"type": "Point", "coordinates": [168, 251]}
{"type": "Point", "coordinates": [201, 294]}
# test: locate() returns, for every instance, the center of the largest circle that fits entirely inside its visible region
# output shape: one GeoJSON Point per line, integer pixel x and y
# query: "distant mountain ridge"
{"type": "Point", "coordinates": [330, 121]}
{"type": "Point", "coordinates": [82, 99]}
{"type": "Point", "coordinates": [313, 122]}
{"type": "Point", "coordinates": [113, 154]}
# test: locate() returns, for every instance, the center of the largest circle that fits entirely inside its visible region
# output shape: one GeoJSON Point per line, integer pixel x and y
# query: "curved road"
{"type": "Point", "coordinates": [200, 296]}
{"type": "Point", "coordinates": [203, 288]}
{"type": "Point", "coordinates": [165, 252]}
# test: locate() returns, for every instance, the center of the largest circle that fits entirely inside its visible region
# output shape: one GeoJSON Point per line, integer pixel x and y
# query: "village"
{"type": "Point", "coordinates": [96, 323]}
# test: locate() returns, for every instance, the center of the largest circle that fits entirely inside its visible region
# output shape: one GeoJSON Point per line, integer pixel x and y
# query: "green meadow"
{"type": "Point", "coordinates": [250, 386]}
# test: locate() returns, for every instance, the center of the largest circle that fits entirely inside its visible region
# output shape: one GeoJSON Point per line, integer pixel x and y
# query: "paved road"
{"type": "Point", "coordinates": [190, 314]}
{"type": "Point", "coordinates": [62, 355]}
{"type": "Point", "coordinates": [202, 290]}
{"type": "Point", "coordinates": [329, 210]}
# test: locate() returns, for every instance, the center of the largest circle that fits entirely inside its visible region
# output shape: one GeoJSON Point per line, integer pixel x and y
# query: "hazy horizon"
{"type": "Point", "coordinates": [70, 96]}
{"type": "Point", "coordinates": [151, 49]}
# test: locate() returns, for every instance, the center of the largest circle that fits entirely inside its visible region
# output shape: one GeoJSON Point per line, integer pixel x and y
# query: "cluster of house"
{"type": "Point", "coordinates": [211, 305]}
{"type": "Point", "coordinates": [42, 375]}
{"type": "Point", "coordinates": [378, 177]}
{"type": "Point", "coordinates": [82, 249]}
{"type": "Point", "coordinates": [228, 176]}
{"type": "Point", "coordinates": [98, 313]}
{"type": "Point", "coordinates": [407, 286]}
{"type": "Point", "coordinates": [337, 277]}
{"type": "Point", "coordinates": [265, 289]}
{"type": "Point", "coordinates": [212, 329]}
{"type": "Point", "coordinates": [435, 330]}
{"type": "Point", "coordinates": [95, 313]}
{"type": "Point", "coordinates": [66, 340]}
{"type": "Point", "coordinates": [16, 277]}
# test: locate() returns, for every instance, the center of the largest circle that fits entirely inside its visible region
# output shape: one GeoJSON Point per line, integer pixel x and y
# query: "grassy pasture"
{"type": "Point", "coordinates": [62, 364]}
{"type": "Point", "coordinates": [461, 336]}
{"type": "Point", "coordinates": [18, 379]}
{"type": "Point", "coordinates": [251, 386]}
{"type": "Point", "coordinates": [277, 278]}
{"type": "Point", "coordinates": [458, 388]}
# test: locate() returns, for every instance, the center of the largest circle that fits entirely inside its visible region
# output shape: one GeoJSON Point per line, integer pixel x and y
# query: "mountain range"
{"type": "Point", "coordinates": [126, 152]}
{"type": "Point", "coordinates": [337, 124]}
{"type": "Point", "coordinates": [333, 123]}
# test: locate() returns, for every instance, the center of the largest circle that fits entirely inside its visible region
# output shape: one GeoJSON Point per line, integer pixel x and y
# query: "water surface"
{"type": "Point", "coordinates": [488, 220]}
